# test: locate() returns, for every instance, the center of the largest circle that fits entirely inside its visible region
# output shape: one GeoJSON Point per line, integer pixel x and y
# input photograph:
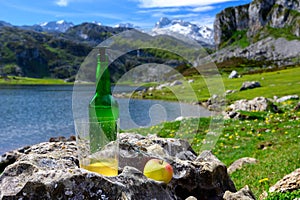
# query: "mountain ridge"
{"type": "Point", "coordinates": [202, 34]}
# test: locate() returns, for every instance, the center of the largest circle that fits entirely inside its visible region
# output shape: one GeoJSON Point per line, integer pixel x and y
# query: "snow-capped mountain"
{"type": "Point", "coordinates": [165, 26]}
{"type": "Point", "coordinates": [98, 23]}
{"type": "Point", "coordinates": [126, 25]}
{"type": "Point", "coordinates": [60, 26]}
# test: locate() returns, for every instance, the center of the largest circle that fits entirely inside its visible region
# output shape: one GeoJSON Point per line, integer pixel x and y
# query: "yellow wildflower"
{"type": "Point", "coordinates": [263, 180]}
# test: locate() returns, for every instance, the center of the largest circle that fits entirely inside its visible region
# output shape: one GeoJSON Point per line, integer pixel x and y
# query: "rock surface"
{"type": "Point", "coordinates": [238, 164]}
{"type": "Point", "coordinates": [250, 85]}
{"type": "Point", "coordinates": [215, 103]}
{"type": "Point", "coordinates": [256, 104]}
{"type": "Point", "coordinates": [286, 98]}
{"type": "Point", "coordinates": [50, 171]}
{"type": "Point", "coordinates": [254, 16]}
{"type": "Point", "coordinates": [289, 183]}
{"type": "Point", "coordinates": [233, 74]}
{"type": "Point", "coordinates": [243, 194]}
{"type": "Point", "coordinates": [258, 22]}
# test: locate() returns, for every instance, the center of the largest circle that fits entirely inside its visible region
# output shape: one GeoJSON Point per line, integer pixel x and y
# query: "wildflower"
{"type": "Point", "coordinates": [263, 180]}
{"type": "Point", "coordinates": [271, 116]}
{"type": "Point", "coordinates": [258, 135]}
{"type": "Point", "coordinates": [236, 147]}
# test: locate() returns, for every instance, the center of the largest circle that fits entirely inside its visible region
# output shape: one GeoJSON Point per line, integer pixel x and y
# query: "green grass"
{"type": "Point", "coordinates": [239, 38]}
{"type": "Point", "coordinates": [277, 83]}
{"type": "Point", "coordinates": [272, 138]}
{"type": "Point", "coordinates": [14, 80]}
{"type": "Point", "coordinates": [285, 32]}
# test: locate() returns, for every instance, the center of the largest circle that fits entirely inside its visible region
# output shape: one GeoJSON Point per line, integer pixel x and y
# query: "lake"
{"type": "Point", "coordinates": [33, 114]}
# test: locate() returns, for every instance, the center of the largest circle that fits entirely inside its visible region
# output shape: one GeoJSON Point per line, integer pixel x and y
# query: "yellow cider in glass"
{"type": "Point", "coordinates": [105, 168]}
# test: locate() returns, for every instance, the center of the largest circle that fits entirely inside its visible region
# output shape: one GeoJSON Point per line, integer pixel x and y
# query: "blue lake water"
{"type": "Point", "coordinates": [33, 114]}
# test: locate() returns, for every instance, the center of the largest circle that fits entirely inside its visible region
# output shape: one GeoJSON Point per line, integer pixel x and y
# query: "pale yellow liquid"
{"type": "Point", "coordinates": [104, 168]}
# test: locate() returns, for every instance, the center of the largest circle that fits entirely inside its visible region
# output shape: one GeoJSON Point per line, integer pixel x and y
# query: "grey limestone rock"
{"type": "Point", "coordinates": [50, 171]}
{"type": "Point", "coordinates": [256, 104]}
{"type": "Point", "coordinates": [286, 98]}
{"type": "Point", "coordinates": [250, 85]}
{"type": "Point", "coordinates": [233, 74]}
{"type": "Point", "coordinates": [238, 164]}
{"type": "Point", "coordinates": [251, 21]}
{"type": "Point", "coordinates": [289, 182]}
{"type": "Point", "coordinates": [243, 194]}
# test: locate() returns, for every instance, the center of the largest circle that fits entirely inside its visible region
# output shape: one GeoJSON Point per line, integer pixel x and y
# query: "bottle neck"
{"type": "Point", "coordinates": [103, 77]}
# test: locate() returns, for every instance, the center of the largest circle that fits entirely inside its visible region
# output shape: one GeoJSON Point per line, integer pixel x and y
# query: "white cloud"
{"type": "Point", "coordinates": [62, 3]}
{"type": "Point", "coordinates": [162, 10]}
{"type": "Point", "coordinates": [205, 21]}
{"type": "Point", "coordinates": [202, 8]}
{"type": "Point", "coordinates": [185, 16]}
{"type": "Point", "coordinates": [173, 3]}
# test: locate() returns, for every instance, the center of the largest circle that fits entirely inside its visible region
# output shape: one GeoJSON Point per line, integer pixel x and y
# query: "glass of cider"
{"type": "Point", "coordinates": [97, 151]}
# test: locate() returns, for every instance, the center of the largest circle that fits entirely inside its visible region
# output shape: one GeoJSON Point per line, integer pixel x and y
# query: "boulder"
{"type": "Point", "coordinates": [160, 87]}
{"type": "Point", "coordinates": [229, 92]}
{"type": "Point", "coordinates": [289, 183]}
{"type": "Point", "coordinates": [233, 74]}
{"type": "Point", "coordinates": [215, 103]}
{"type": "Point", "coordinates": [238, 164]}
{"type": "Point", "coordinates": [243, 194]}
{"type": "Point", "coordinates": [286, 98]}
{"type": "Point", "coordinates": [50, 171]}
{"type": "Point", "coordinates": [176, 83]}
{"type": "Point", "coordinates": [250, 85]}
{"type": "Point", "coordinates": [256, 104]}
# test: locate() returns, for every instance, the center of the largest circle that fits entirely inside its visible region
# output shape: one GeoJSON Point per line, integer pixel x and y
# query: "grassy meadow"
{"type": "Point", "coordinates": [278, 83]}
{"type": "Point", "coordinates": [16, 80]}
{"type": "Point", "coordinates": [271, 138]}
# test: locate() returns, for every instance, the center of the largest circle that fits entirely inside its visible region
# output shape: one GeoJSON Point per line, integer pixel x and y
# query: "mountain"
{"type": "Point", "coordinates": [60, 26]}
{"type": "Point", "coordinates": [202, 34]}
{"type": "Point", "coordinates": [30, 53]}
{"type": "Point", "coordinates": [3, 23]}
{"type": "Point", "coordinates": [92, 33]}
{"type": "Point", "coordinates": [126, 25]}
{"type": "Point", "coordinates": [34, 54]}
{"type": "Point", "coordinates": [53, 26]}
{"type": "Point", "coordinates": [98, 23]}
{"type": "Point", "coordinates": [265, 31]}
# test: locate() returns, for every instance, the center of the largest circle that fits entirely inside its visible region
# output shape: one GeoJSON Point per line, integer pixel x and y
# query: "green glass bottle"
{"type": "Point", "coordinates": [103, 108]}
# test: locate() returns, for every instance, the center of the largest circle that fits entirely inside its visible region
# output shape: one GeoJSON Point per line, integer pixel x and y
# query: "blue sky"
{"type": "Point", "coordinates": [142, 13]}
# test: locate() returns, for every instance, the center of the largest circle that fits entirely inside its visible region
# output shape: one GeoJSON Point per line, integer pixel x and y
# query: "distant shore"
{"type": "Point", "coordinates": [17, 80]}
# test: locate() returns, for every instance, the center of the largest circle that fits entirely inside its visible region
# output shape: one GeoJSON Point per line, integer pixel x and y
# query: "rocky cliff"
{"type": "Point", "coordinates": [258, 19]}
{"type": "Point", "coordinates": [265, 33]}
